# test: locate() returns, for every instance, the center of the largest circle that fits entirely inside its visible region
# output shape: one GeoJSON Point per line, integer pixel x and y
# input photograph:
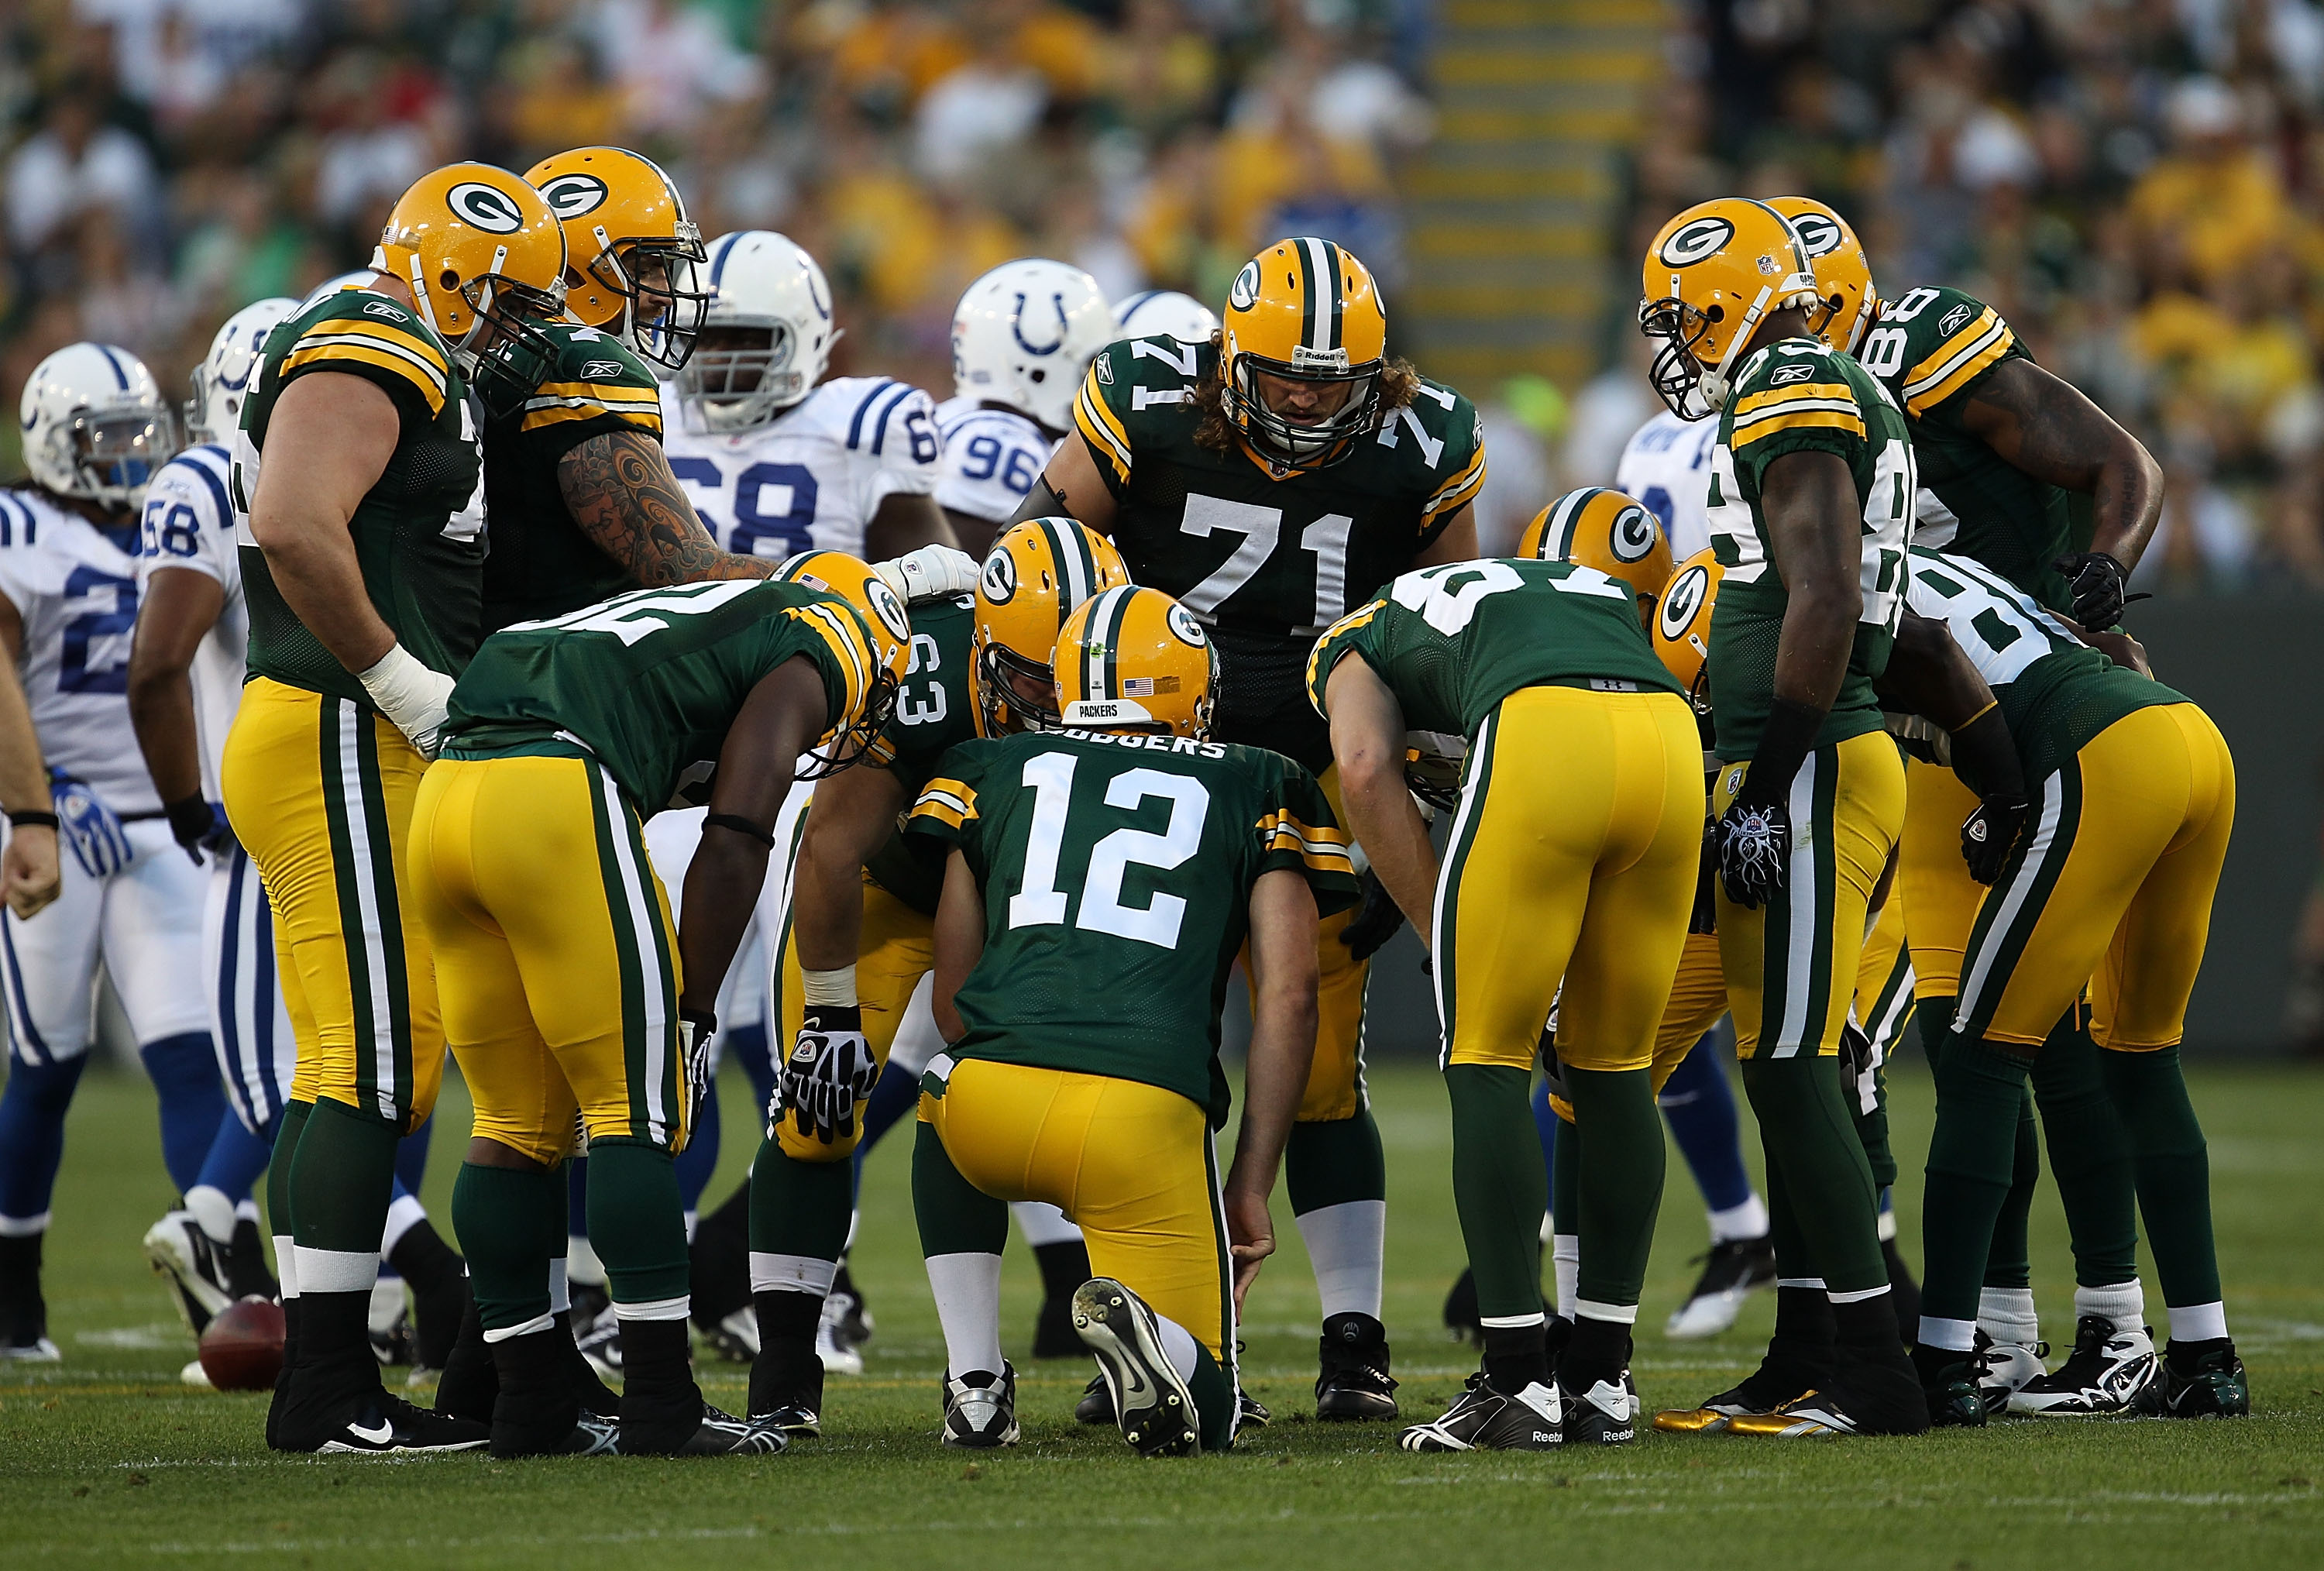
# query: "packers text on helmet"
{"type": "Point", "coordinates": [1843, 273]}
{"type": "Point", "coordinates": [1682, 624]}
{"type": "Point", "coordinates": [632, 258]}
{"type": "Point", "coordinates": [890, 630]}
{"type": "Point", "coordinates": [1304, 342]}
{"type": "Point", "coordinates": [1037, 575]}
{"type": "Point", "coordinates": [1605, 530]}
{"type": "Point", "coordinates": [1135, 660]}
{"type": "Point", "coordinates": [483, 256]}
{"type": "Point", "coordinates": [1711, 275]}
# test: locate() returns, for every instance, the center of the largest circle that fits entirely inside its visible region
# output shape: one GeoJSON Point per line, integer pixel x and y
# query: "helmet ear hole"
{"type": "Point", "coordinates": [447, 279]}
{"type": "Point", "coordinates": [1717, 313]}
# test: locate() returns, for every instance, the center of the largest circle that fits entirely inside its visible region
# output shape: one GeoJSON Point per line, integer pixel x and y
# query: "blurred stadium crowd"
{"type": "Point", "coordinates": [2137, 184]}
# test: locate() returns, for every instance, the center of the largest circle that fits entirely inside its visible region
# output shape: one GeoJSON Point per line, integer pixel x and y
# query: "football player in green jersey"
{"type": "Point", "coordinates": [1099, 883]}
{"type": "Point", "coordinates": [2004, 448]}
{"type": "Point", "coordinates": [568, 992]}
{"type": "Point", "coordinates": [356, 463]}
{"type": "Point", "coordinates": [1573, 859]}
{"type": "Point", "coordinates": [1272, 479]}
{"type": "Point", "coordinates": [861, 930]}
{"type": "Point", "coordinates": [1810, 512]}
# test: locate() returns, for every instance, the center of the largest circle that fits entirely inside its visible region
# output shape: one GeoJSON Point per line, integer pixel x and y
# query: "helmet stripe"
{"type": "Point", "coordinates": [1799, 251]}
{"type": "Point", "coordinates": [1339, 296]}
{"type": "Point", "coordinates": [1557, 539]}
{"type": "Point", "coordinates": [1317, 327]}
{"type": "Point", "coordinates": [718, 259]}
{"type": "Point", "coordinates": [1075, 576]}
{"type": "Point", "coordinates": [114, 360]}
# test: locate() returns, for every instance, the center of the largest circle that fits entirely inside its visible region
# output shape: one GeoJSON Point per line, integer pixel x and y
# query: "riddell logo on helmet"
{"type": "Point", "coordinates": [1303, 358]}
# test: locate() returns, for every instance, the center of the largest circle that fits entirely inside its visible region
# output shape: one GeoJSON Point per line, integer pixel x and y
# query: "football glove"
{"type": "Point", "coordinates": [199, 827]}
{"type": "Point", "coordinates": [830, 1070]}
{"type": "Point", "coordinates": [929, 571]}
{"type": "Point", "coordinates": [1376, 920]}
{"type": "Point", "coordinates": [1755, 843]}
{"type": "Point", "coordinates": [1991, 834]}
{"type": "Point", "coordinates": [99, 842]}
{"type": "Point", "coordinates": [414, 698]}
{"type": "Point", "coordinates": [695, 1027]}
{"type": "Point", "coordinates": [2098, 583]}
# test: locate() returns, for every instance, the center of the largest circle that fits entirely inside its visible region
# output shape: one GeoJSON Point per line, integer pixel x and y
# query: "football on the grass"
{"type": "Point", "coordinates": [241, 1348]}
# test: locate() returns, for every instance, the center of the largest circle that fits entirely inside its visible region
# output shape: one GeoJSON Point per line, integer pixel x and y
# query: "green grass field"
{"type": "Point", "coordinates": [109, 1460]}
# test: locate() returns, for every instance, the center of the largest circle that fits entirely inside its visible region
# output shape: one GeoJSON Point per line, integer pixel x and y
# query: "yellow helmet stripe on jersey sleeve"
{"type": "Point", "coordinates": [1800, 414]}
{"type": "Point", "coordinates": [554, 401]}
{"type": "Point", "coordinates": [947, 802]}
{"type": "Point", "coordinates": [371, 328]}
{"type": "Point", "coordinates": [1324, 850]}
{"type": "Point", "coordinates": [1943, 373]}
{"type": "Point", "coordinates": [1769, 397]}
{"type": "Point", "coordinates": [846, 641]}
{"type": "Point", "coordinates": [1101, 428]}
{"type": "Point", "coordinates": [425, 379]}
{"type": "Point", "coordinates": [1458, 489]}
{"type": "Point", "coordinates": [1330, 642]}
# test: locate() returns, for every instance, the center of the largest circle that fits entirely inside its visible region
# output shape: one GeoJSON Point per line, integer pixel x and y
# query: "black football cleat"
{"type": "Point", "coordinates": [2113, 1373]}
{"type": "Point", "coordinates": [979, 1409]}
{"type": "Point", "coordinates": [1096, 1405]}
{"type": "Point", "coordinates": [2205, 1379]}
{"type": "Point", "coordinates": [1731, 1271]}
{"type": "Point", "coordinates": [1353, 1384]}
{"type": "Point", "coordinates": [1949, 1384]}
{"type": "Point", "coordinates": [1483, 1418]}
{"type": "Point", "coordinates": [376, 1424]}
{"type": "Point", "coordinates": [1607, 1414]}
{"type": "Point", "coordinates": [1151, 1401]}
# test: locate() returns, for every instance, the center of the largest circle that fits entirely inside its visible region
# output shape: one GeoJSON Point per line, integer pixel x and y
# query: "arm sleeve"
{"type": "Point", "coordinates": [1970, 339]}
{"type": "Point", "coordinates": [373, 338]}
{"type": "Point", "coordinates": [945, 809]}
{"type": "Point", "coordinates": [1098, 417]}
{"type": "Point", "coordinates": [595, 387]}
{"type": "Point", "coordinates": [1297, 831]}
{"type": "Point", "coordinates": [1357, 632]}
{"type": "Point", "coordinates": [1812, 408]}
{"type": "Point", "coordinates": [1458, 471]}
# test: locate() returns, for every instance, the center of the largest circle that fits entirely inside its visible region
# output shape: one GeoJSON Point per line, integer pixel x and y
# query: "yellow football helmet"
{"type": "Point", "coordinates": [631, 256]}
{"type": "Point", "coordinates": [1682, 624]}
{"type": "Point", "coordinates": [480, 250]}
{"type": "Point", "coordinates": [1037, 575]}
{"type": "Point", "coordinates": [1710, 275]}
{"type": "Point", "coordinates": [1306, 310]}
{"type": "Point", "coordinates": [1843, 273]}
{"type": "Point", "coordinates": [1605, 530]}
{"type": "Point", "coordinates": [890, 629]}
{"type": "Point", "coordinates": [1135, 660]}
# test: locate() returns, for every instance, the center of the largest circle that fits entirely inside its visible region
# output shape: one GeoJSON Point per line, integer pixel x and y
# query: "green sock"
{"type": "Point", "coordinates": [637, 1223]}
{"type": "Point", "coordinates": [1566, 1182]}
{"type": "Point", "coordinates": [2089, 1155]}
{"type": "Point", "coordinates": [2008, 1259]}
{"type": "Point", "coordinates": [278, 1169]}
{"type": "Point", "coordinates": [1784, 1235]}
{"type": "Point", "coordinates": [1216, 1401]}
{"type": "Point", "coordinates": [500, 1213]}
{"type": "Point", "coordinates": [956, 1217]}
{"type": "Point", "coordinates": [1621, 1171]}
{"type": "Point", "coordinates": [1808, 1132]}
{"type": "Point", "coordinates": [1499, 1189]}
{"type": "Point", "coordinates": [1972, 1155]}
{"type": "Point", "coordinates": [1933, 1018]}
{"type": "Point", "coordinates": [1334, 1162]}
{"type": "Point", "coordinates": [800, 1208]}
{"type": "Point", "coordinates": [341, 1175]}
{"type": "Point", "coordinates": [1872, 1129]}
{"type": "Point", "coordinates": [2174, 1171]}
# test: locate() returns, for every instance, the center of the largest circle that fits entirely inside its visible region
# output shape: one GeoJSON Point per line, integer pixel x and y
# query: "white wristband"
{"type": "Point", "coordinates": [414, 697]}
{"type": "Point", "coordinates": [834, 989]}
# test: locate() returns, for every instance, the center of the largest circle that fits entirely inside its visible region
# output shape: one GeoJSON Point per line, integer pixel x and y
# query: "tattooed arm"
{"type": "Point", "coordinates": [2044, 425]}
{"type": "Point", "coordinates": [619, 489]}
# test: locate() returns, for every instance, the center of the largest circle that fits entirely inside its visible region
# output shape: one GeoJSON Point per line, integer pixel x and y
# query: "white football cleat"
{"type": "Point", "coordinates": [194, 1268]}
{"type": "Point", "coordinates": [1730, 1272]}
{"type": "Point", "coordinates": [2006, 1368]}
{"type": "Point", "coordinates": [2112, 1373]}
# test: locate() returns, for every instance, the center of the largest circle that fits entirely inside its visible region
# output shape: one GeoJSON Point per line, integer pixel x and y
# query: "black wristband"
{"type": "Point", "coordinates": [741, 826]}
{"type": "Point", "coordinates": [1784, 741]}
{"type": "Point", "coordinates": [190, 818]}
{"type": "Point", "coordinates": [702, 1021]}
{"type": "Point", "coordinates": [33, 819]}
{"type": "Point", "coordinates": [1984, 757]}
{"type": "Point", "coordinates": [831, 1017]}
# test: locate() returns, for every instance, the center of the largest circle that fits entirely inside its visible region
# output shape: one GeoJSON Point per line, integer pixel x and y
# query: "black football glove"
{"type": "Point", "coordinates": [695, 1027]}
{"type": "Point", "coordinates": [1376, 920]}
{"type": "Point", "coordinates": [2098, 584]}
{"type": "Point", "coordinates": [1755, 846]}
{"type": "Point", "coordinates": [830, 1070]}
{"type": "Point", "coordinates": [1991, 834]}
{"type": "Point", "coordinates": [199, 827]}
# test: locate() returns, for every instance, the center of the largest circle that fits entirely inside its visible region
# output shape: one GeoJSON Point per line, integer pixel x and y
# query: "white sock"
{"type": "Point", "coordinates": [1748, 1220]}
{"type": "Point", "coordinates": [1347, 1245]}
{"type": "Point", "coordinates": [1953, 1335]}
{"type": "Point", "coordinates": [2008, 1314]}
{"type": "Point", "coordinates": [246, 1208]}
{"type": "Point", "coordinates": [582, 1266]}
{"type": "Point", "coordinates": [403, 1214]}
{"type": "Point", "coordinates": [286, 1264]}
{"type": "Point", "coordinates": [2199, 1322]}
{"type": "Point", "coordinates": [387, 1301]}
{"type": "Point", "coordinates": [213, 1212]}
{"type": "Point", "coordinates": [1565, 1270]}
{"type": "Point", "coordinates": [691, 1218]}
{"type": "Point", "coordinates": [337, 1270]}
{"type": "Point", "coordinates": [797, 1273]}
{"type": "Point", "coordinates": [2125, 1304]}
{"type": "Point", "coordinates": [560, 1292]}
{"type": "Point", "coordinates": [1042, 1224]}
{"type": "Point", "coordinates": [1886, 1228]}
{"type": "Point", "coordinates": [854, 1221]}
{"type": "Point", "coordinates": [967, 1289]}
{"type": "Point", "coordinates": [1177, 1345]}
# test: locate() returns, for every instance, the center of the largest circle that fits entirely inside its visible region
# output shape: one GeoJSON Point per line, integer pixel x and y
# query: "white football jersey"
{"type": "Point", "coordinates": [1667, 465]}
{"type": "Point", "coordinates": [811, 478]}
{"type": "Point", "coordinates": [76, 587]}
{"type": "Point", "coordinates": [189, 522]}
{"type": "Point", "coordinates": [992, 457]}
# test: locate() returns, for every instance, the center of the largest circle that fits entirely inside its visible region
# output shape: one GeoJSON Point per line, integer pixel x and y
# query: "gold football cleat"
{"type": "Point", "coordinates": [1706, 1419]}
{"type": "Point", "coordinates": [1805, 1417]}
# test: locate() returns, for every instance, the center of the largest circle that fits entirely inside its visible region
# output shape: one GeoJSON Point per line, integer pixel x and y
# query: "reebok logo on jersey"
{"type": "Point", "coordinates": [1953, 320]}
{"type": "Point", "coordinates": [380, 308]}
{"type": "Point", "coordinates": [597, 368]}
{"type": "Point", "coordinates": [1788, 373]}
{"type": "Point", "coordinates": [1105, 370]}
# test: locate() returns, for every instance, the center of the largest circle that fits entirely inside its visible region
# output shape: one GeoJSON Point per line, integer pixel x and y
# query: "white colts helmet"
{"type": "Point", "coordinates": [361, 278]}
{"type": "Point", "coordinates": [1024, 335]}
{"type": "Point", "coordinates": [1150, 311]}
{"type": "Point", "coordinates": [96, 425]}
{"type": "Point", "coordinates": [222, 377]}
{"type": "Point", "coordinates": [759, 283]}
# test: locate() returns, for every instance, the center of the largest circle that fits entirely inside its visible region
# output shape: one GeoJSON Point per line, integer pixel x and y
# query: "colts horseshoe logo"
{"type": "Point", "coordinates": [1017, 327]}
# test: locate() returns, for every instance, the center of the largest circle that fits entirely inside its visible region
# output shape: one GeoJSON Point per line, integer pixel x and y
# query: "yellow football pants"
{"type": "Point", "coordinates": [897, 947]}
{"type": "Point", "coordinates": [1934, 881]}
{"type": "Point", "coordinates": [1130, 1163]}
{"type": "Point", "coordinates": [556, 953]}
{"type": "Point", "coordinates": [1792, 966]}
{"type": "Point", "coordinates": [2113, 884]}
{"type": "Point", "coordinates": [320, 791]}
{"type": "Point", "coordinates": [1573, 855]}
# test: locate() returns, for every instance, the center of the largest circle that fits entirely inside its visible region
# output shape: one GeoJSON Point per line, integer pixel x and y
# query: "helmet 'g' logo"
{"type": "Point", "coordinates": [1696, 241]}
{"type": "Point", "coordinates": [1682, 600]}
{"type": "Point", "coordinates": [889, 609]}
{"type": "Point", "coordinates": [1183, 623]}
{"type": "Point", "coordinates": [1819, 235]}
{"type": "Point", "coordinates": [1633, 535]}
{"type": "Point", "coordinates": [486, 208]}
{"type": "Point", "coordinates": [571, 195]}
{"type": "Point", "coordinates": [998, 582]}
{"type": "Point", "coordinates": [1245, 293]}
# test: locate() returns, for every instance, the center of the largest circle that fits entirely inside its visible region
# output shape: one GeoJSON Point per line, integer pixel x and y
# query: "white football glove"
{"type": "Point", "coordinates": [414, 698]}
{"type": "Point", "coordinates": [930, 571]}
{"type": "Point", "coordinates": [829, 1071]}
{"type": "Point", "coordinates": [86, 824]}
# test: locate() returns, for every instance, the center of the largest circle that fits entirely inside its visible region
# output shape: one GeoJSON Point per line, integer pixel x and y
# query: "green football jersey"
{"type": "Point", "coordinates": [542, 564]}
{"type": "Point", "coordinates": [1800, 394]}
{"type": "Point", "coordinates": [1452, 642]}
{"type": "Point", "coordinates": [417, 531]}
{"type": "Point", "coordinates": [648, 683]}
{"type": "Point", "coordinates": [1266, 558]}
{"type": "Point", "coordinates": [1116, 873]}
{"type": "Point", "coordinates": [935, 711]}
{"type": "Point", "coordinates": [1931, 349]}
{"type": "Point", "coordinates": [2055, 691]}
